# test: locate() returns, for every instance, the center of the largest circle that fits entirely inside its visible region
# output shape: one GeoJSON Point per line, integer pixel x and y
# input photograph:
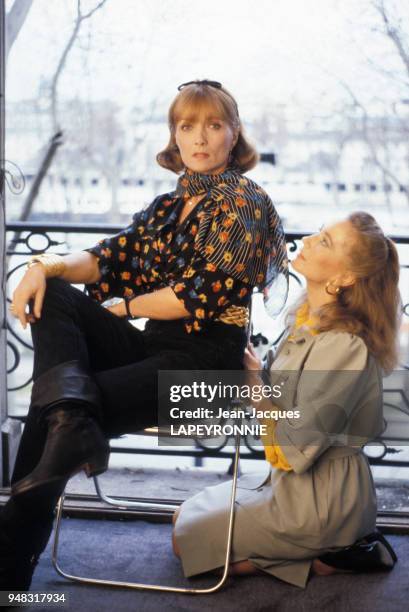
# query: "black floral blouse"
{"type": "Point", "coordinates": [155, 252]}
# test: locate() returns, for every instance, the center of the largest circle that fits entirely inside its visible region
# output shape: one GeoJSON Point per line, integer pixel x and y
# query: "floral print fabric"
{"type": "Point", "coordinates": [155, 252]}
{"type": "Point", "coordinates": [230, 242]}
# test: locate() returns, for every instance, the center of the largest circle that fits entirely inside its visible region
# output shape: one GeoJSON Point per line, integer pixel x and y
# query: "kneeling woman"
{"type": "Point", "coordinates": [315, 512]}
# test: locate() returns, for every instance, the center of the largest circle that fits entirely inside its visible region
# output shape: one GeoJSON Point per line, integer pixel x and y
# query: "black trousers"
{"type": "Point", "coordinates": [122, 361]}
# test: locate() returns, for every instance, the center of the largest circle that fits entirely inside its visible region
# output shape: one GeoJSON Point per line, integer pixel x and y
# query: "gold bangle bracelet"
{"type": "Point", "coordinates": [54, 265]}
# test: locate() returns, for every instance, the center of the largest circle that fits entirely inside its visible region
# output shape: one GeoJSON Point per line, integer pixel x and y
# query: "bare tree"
{"type": "Point", "coordinates": [80, 18]}
{"type": "Point", "coordinates": [377, 140]}
{"type": "Point", "coordinates": [381, 133]}
{"type": "Point", "coordinates": [14, 22]}
{"type": "Point", "coordinates": [393, 29]}
{"type": "Point", "coordinates": [97, 135]}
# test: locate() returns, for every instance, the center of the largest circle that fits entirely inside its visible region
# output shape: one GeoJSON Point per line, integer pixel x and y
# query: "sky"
{"type": "Point", "coordinates": [267, 52]}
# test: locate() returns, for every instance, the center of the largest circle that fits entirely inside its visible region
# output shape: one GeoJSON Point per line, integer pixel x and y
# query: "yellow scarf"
{"type": "Point", "coordinates": [303, 319]}
{"type": "Point", "coordinates": [274, 454]}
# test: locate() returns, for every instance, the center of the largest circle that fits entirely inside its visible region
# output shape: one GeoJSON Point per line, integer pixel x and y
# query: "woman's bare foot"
{"type": "Point", "coordinates": [239, 568]}
{"type": "Point", "coordinates": [322, 569]}
{"type": "Point", "coordinates": [242, 568]}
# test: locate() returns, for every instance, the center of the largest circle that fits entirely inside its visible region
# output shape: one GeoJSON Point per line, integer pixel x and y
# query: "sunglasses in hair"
{"type": "Point", "coordinates": [201, 82]}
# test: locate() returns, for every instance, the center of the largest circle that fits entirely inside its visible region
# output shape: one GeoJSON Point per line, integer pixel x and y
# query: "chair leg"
{"type": "Point", "coordinates": [154, 587]}
{"type": "Point", "coordinates": [143, 506]}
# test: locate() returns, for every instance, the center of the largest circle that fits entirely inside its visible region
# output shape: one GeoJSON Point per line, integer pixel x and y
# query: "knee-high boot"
{"type": "Point", "coordinates": [24, 533]}
{"type": "Point", "coordinates": [68, 405]}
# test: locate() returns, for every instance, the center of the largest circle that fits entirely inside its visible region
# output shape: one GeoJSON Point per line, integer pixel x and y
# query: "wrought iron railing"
{"type": "Point", "coordinates": [27, 238]}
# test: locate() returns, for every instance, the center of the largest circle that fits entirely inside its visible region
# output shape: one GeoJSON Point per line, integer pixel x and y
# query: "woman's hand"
{"type": "Point", "coordinates": [31, 287]}
{"type": "Point", "coordinates": [251, 360]}
{"type": "Point", "coordinates": [118, 309]}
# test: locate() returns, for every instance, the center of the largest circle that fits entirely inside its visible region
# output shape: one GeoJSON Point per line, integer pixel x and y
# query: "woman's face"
{"type": "Point", "coordinates": [324, 256]}
{"type": "Point", "coordinates": [205, 141]}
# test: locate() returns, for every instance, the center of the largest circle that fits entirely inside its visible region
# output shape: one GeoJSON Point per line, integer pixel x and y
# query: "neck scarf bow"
{"type": "Point", "coordinates": [240, 232]}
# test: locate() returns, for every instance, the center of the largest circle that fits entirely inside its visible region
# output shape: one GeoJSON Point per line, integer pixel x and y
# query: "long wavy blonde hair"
{"type": "Point", "coordinates": [371, 307]}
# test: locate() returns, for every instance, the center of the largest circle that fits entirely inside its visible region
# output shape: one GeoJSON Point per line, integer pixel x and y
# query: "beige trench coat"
{"type": "Point", "coordinates": [283, 520]}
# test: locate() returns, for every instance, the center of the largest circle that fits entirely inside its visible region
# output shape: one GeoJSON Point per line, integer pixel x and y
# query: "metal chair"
{"type": "Point", "coordinates": [153, 505]}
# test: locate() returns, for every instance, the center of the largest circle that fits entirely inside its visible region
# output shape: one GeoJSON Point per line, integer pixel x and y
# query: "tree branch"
{"type": "Point", "coordinates": [15, 21]}
{"type": "Point", "coordinates": [393, 33]}
{"type": "Point", "coordinates": [92, 11]}
{"type": "Point", "coordinates": [369, 142]}
{"type": "Point", "coordinates": [78, 22]}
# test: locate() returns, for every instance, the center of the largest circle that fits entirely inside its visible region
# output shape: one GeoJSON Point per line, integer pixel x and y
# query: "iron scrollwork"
{"type": "Point", "coordinates": [16, 342]}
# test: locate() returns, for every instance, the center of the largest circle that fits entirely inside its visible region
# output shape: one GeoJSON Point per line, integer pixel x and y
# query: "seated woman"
{"type": "Point", "coordinates": [315, 511]}
{"type": "Point", "coordinates": [188, 263]}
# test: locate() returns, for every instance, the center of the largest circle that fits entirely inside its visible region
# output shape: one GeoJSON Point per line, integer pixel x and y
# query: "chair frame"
{"type": "Point", "coordinates": [143, 586]}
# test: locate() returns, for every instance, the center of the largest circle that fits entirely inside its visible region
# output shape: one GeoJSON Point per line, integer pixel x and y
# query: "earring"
{"type": "Point", "coordinates": [336, 290]}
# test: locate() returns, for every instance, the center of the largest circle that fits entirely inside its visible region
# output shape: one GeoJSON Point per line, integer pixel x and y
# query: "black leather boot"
{"type": "Point", "coordinates": [17, 574]}
{"type": "Point", "coordinates": [24, 534]}
{"type": "Point", "coordinates": [67, 402]}
{"type": "Point", "coordinates": [74, 442]}
{"type": "Point", "coordinates": [372, 553]}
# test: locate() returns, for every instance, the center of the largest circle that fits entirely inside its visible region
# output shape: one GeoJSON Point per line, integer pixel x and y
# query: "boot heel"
{"type": "Point", "coordinates": [97, 465]}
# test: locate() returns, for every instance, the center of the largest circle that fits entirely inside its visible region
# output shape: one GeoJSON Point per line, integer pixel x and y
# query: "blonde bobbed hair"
{"type": "Point", "coordinates": [191, 100]}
